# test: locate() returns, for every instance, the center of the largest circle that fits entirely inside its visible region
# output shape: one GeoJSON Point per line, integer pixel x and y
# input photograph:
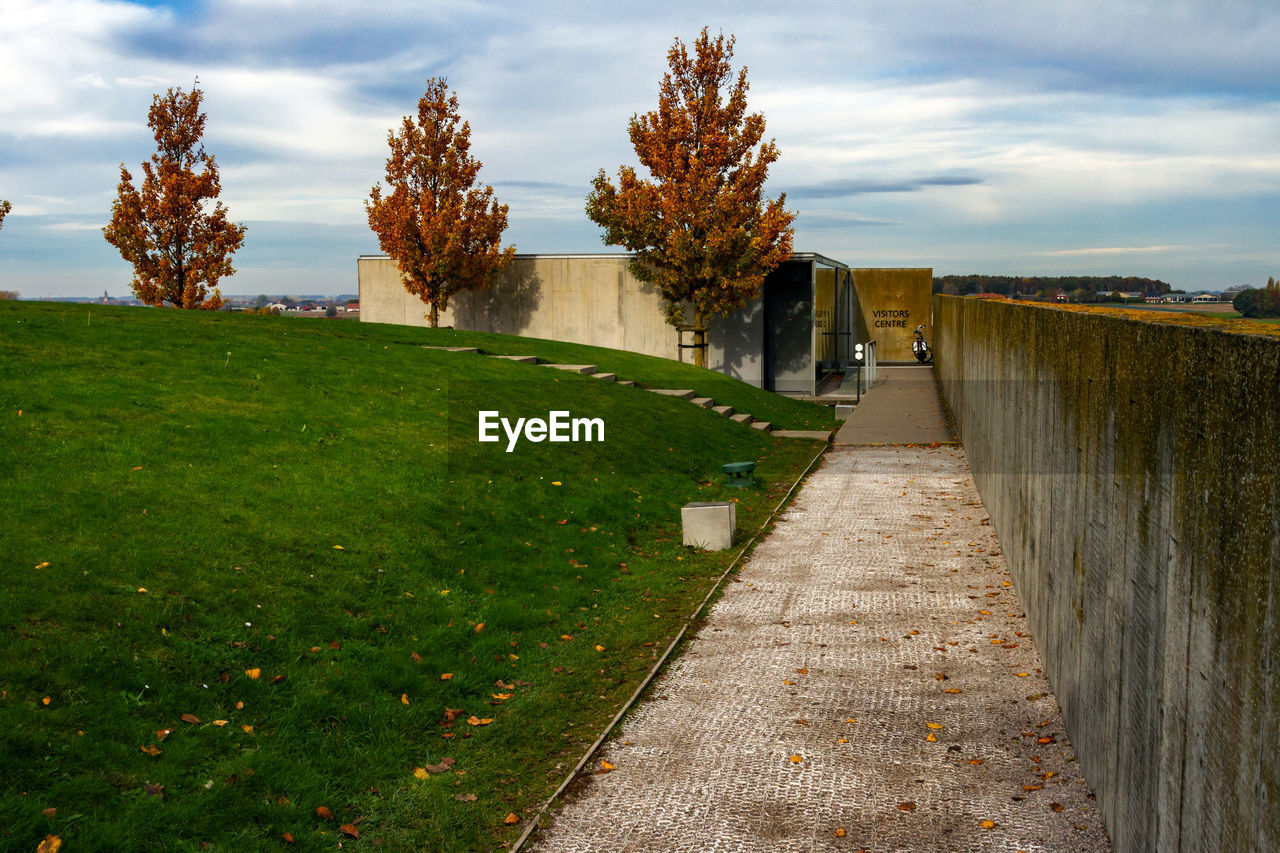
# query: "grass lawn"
{"type": "Point", "coordinates": [265, 590]}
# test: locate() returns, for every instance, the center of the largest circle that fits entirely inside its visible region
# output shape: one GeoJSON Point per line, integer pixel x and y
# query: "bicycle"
{"type": "Point", "coordinates": [920, 348]}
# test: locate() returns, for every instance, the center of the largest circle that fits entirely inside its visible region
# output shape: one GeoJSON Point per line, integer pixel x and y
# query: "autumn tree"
{"type": "Point", "coordinates": [700, 227]}
{"type": "Point", "coordinates": [436, 223]}
{"type": "Point", "coordinates": [5, 207]}
{"type": "Point", "coordinates": [178, 248]}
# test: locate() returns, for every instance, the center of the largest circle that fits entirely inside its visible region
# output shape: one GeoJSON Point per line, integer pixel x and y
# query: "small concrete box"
{"type": "Point", "coordinates": [843, 412]}
{"type": "Point", "coordinates": [709, 526]}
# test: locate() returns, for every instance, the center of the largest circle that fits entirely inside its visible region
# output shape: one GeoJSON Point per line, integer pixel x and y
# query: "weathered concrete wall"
{"type": "Point", "coordinates": [1132, 471]}
{"type": "Point", "coordinates": [580, 298]}
{"type": "Point", "coordinates": [892, 303]}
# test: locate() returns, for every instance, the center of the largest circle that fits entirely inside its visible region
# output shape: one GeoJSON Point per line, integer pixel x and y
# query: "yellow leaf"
{"type": "Point", "coordinates": [976, 760]}
{"type": "Point", "coordinates": [444, 592]}
{"type": "Point", "coordinates": [514, 657]}
{"type": "Point", "coordinates": [477, 721]}
{"type": "Point", "coordinates": [796, 759]}
{"type": "Point", "coordinates": [150, 749]}
{"type": "Point", "coordinates": [842, 740]}
{"type": "Point", "coordinates": [851, 720]}
{"type": "Point", "coordinates": [932, 738]}
{"type": "Point", "coordinates": [219, 723]}
{"type": "Point", "coordinates": [142, 589]}
{"type": "Point", "coordinates": [445, 676]}
{"type": "Point", "coordinates": [1023, 674]}
{"type": "Point", "coordinates": [988, 824]}
{"type": "Point", "coordinates": [480, 627]}
{"type": "Point", "coordinates": [555, 482]}
{"type": "Point", "coordinates": [254, 674]}
{"type": "Point", "coordinates": [511, 819]}
{"type": "Point", "coordinates": [247, 729]}
{"type": "Point", "coordinates": [599, 648]}
{"type": "Point", "coordinates": [338, 548]}
{"type": "Point", "coordinates": [501, 696]}
{"type": "Point", "coordinates": [606, 766]}
{"type": "Point", "coordinates": [952, 690]}
{"type": "Point", "coordinates": [404, 698]}
{"type": "Point", "coordinates": [785, 681]}
{"type": "Point", "coordinates": [839, 833]}
{"type": "Point", "coordinates": [51, 844]}
{"type": "Point", "coordinates": [934, 725]}
{"type": "Point", "coordinates": [421, 773]}
{"type": "Point", "coordinates": [43, 565]}
{"type": "Point", "coordinates": [46, 700]}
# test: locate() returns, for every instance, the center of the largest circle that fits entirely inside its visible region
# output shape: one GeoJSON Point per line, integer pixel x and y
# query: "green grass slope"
{"type": "Point", "coordinates": [258, 567]}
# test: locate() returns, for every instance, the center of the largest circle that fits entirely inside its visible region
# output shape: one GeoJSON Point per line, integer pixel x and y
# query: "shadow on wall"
{"type": "Point", "coordinates": [507, 306]}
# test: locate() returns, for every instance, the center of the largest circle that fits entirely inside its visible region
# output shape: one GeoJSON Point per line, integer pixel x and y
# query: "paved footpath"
{"type": "Point", "coordinates": [867, 682]}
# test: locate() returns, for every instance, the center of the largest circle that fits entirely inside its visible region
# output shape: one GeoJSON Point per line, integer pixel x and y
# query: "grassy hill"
{"type": "Point", "coordinates": [261, 579]}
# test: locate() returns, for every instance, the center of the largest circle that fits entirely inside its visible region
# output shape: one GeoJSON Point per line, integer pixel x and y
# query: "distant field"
{"type": "Point", "coordinates": [257, 590]}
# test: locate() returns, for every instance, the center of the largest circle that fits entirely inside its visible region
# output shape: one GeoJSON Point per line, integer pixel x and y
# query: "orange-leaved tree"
{"type": "Point", "coordinates": [178, 249]}
{"type": "Point", "coordinates": [701, 229]}
{"type": "Point", "coordinates": [5, 207]}
{"type": "Point", "coordinates": [442, 229]}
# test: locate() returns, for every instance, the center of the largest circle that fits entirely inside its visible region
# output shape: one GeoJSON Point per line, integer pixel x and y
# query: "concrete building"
{"type": "Point", "coordinates": [810, 313]}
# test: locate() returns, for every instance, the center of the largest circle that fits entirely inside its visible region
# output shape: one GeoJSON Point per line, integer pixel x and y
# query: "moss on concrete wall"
{"type": "Point", "coordinates": [1132, 471]}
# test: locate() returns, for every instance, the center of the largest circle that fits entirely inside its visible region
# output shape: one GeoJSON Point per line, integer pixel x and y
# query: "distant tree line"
{"type": "Point", "coordinates": [1259, 302]}
{"type": "Point", "coordinates": [1081, 288]}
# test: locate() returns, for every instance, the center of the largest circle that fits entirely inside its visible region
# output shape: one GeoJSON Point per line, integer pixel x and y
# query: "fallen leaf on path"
{"type": "Point", "coordinates": [977, 760]}
{"type": "Point", "coordinates": [796, 759]}
{"type": "Point", "coordinates": [1057, 807]}
{"type": "Point", "coordinates": [839, 833]}
{"type": "Point", "coordinates": [988, 824]}
{"type": "Point", "coordinates": [934, 725]}
{"type": "Point", "coordinates": [932, 738]}
{"type": "Point", "coordinates": [605, 767]}
{"type": "Point", "coordinates": [907, 806]}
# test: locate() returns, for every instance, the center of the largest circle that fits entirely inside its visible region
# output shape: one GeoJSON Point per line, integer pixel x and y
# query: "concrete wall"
{"type": "Point", "coordinates": [1132, 472]}
{"type": "Point", "coordinates": [892, 303]}
{"type": "Point", "coordinates": [587, 299]}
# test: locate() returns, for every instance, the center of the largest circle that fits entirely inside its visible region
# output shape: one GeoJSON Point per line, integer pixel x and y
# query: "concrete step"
{"type": "Point", "coordinates": [704, 402]}
{"type": "Point", "coordinates": [607, 377]}
{"type": "Point", "coordinates": [741, 417]}
{"type": "Point", "coordinates": [762, 425]}
{"type": "Point", "coordinates": [584, 369]}
{"type": "Point", "coordinates": [454, 349]}
{"type": "Point", "coordinates": [723, 410]}
{"type": "Point", "coordinates": [818, 434]}
{"type": "Point", "coordinates": [522, 359]}
{"type": "Point", "coordinates": [683, 395]}
{"type": "Point", "coordinates": [627, 383]}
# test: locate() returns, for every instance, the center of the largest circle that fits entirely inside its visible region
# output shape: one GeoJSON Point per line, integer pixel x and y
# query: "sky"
{"type": "Point", "coordinates": [1007, 137]}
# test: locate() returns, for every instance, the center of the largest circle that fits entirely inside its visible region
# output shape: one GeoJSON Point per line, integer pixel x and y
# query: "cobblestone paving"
{"type": "Point", "coordinates": [867, 682]}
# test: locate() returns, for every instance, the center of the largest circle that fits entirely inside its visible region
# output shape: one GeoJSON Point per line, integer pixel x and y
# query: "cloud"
{"type": "Point", "coordinates": [1118, 250]}
{"type": "Point", "coordinates": [842, 188]}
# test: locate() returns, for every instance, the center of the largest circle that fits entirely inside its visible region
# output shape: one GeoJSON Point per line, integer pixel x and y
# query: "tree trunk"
{"type": "Point", "coordinates": [434, 316]}
{"type": "Point", "coordinates": [700, 339]}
